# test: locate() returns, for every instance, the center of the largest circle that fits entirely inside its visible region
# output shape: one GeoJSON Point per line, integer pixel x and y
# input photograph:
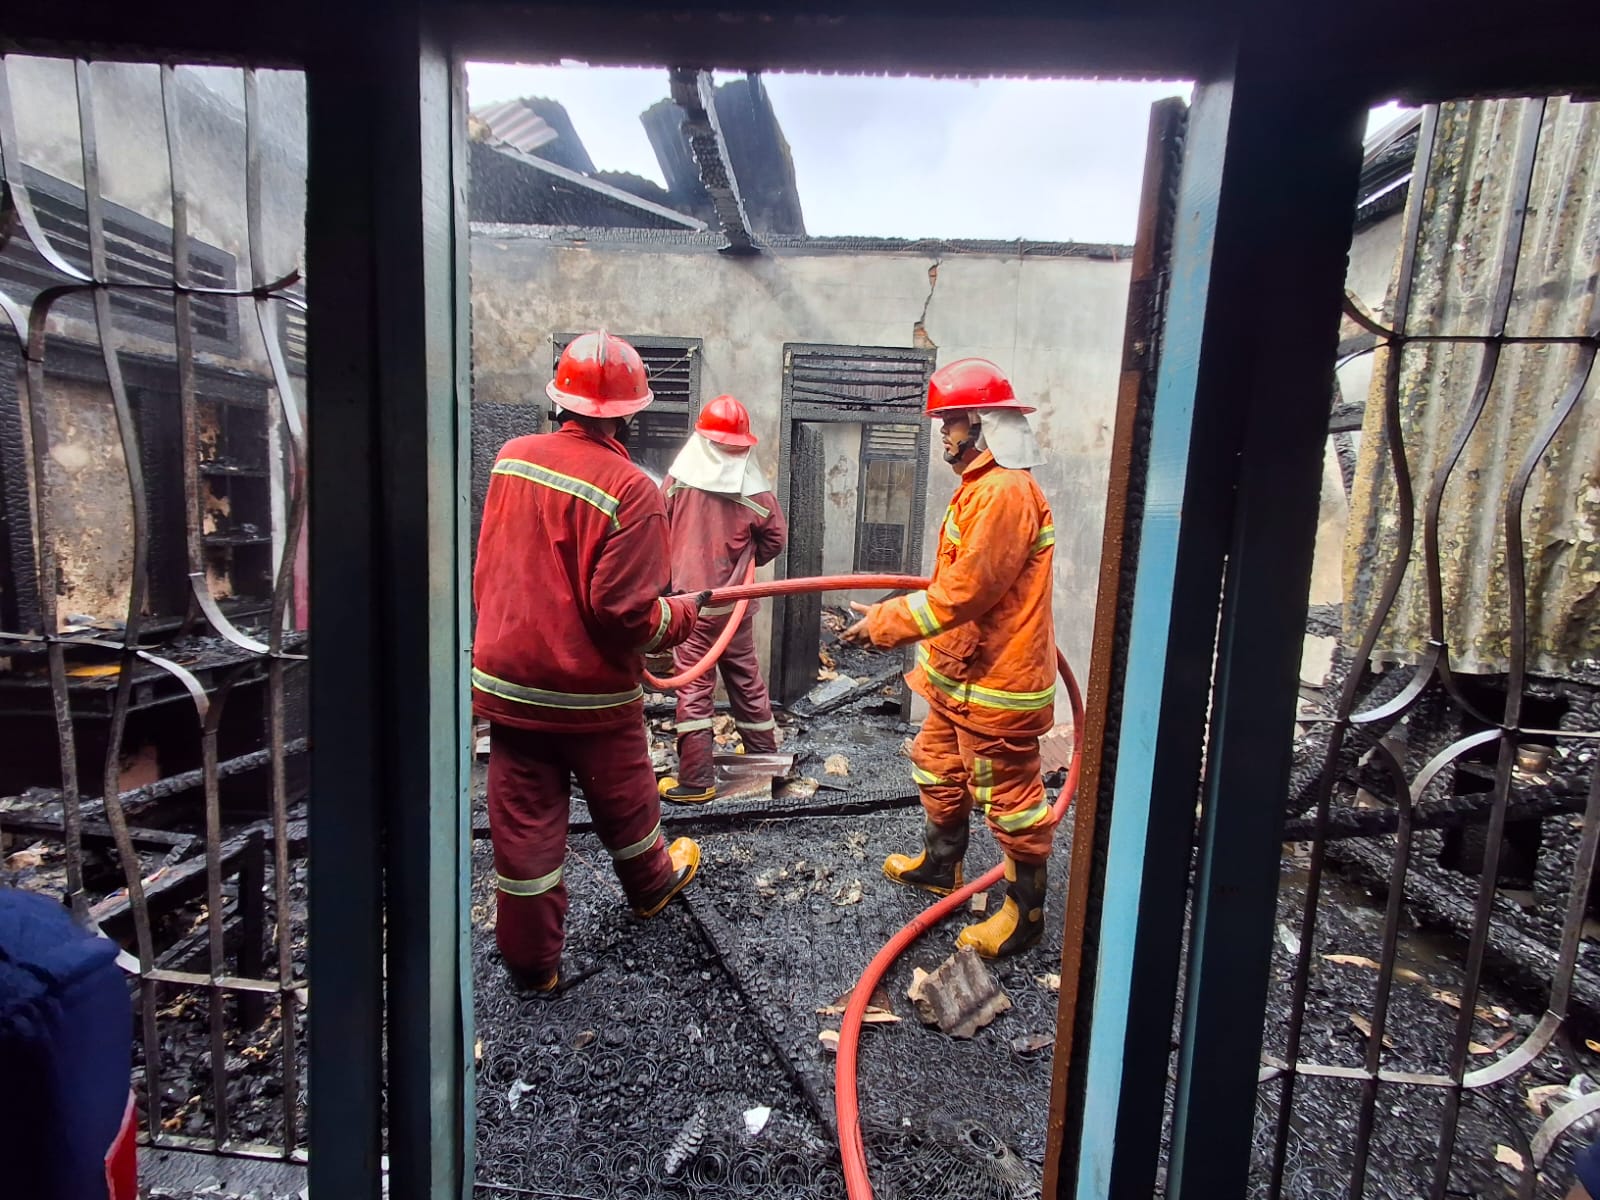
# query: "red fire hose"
{"type": "Point", "coordinates": [717, 647]}
{"type": "Point", "coordinates": [851, 1150]}
{"type": "Point", "coordinates": [740, 595]}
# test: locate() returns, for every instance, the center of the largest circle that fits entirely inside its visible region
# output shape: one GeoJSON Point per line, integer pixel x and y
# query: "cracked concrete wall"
{"type": "Point", "coordinates": [1055, 324]}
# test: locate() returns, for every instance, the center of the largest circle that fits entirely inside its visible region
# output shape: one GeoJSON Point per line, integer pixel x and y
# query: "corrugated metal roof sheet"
{"type": "Point", "coordinates": [1468, 210]}
{"type": "Point", "coordinates": [514, 123]}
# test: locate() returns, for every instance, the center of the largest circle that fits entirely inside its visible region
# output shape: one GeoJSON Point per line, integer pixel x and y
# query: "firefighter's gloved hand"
{"type": "Point", "coordinates": [702, 599]}
{"type": "Point", "coordinates": [857, 634]}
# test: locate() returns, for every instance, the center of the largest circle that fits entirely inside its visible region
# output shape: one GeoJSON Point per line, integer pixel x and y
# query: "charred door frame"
{"type": "Point", "coordinates": [792, 410]}
{"type": "Point", "coordinates": [390, 364]}
{"type": "Point", "coordinates": [1125, 495]}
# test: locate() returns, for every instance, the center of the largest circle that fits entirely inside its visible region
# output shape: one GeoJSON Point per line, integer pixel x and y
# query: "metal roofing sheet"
{"type": "Point", "coordinates": [1468, 220]}
{"type": "Point", "coordinates": [514, 123]}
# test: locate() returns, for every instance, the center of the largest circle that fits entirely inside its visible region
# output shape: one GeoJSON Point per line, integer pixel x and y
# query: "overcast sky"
{"type": "Point", "coordinates": [1050, 160]}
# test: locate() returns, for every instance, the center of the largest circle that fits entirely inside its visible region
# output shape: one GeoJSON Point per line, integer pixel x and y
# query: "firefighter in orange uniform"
{"type": "Point", "coordinates": [986, 662]}
{"type": "Point", "coordinates": [570, 584]}
{"type": "Point", "coordinates": [722, 513]}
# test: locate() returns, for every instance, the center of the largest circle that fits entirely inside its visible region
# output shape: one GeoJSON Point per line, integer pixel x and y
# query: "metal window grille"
{"type": "Point", "coordinates": [137, 251]}
{"type": "Point", "coordinates": [889, 459]}
{"type": "Point", "coordinates": [863, 379]}
{"type": "Point", "coordinates": [197, 871]}
{"type": "Point", "coordinates": [1467, 767]}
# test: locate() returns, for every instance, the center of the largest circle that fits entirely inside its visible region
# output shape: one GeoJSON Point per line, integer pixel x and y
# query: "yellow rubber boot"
{"type": "Point", "coordinates": [937, 868]}
{"type": "Point", "coordinates": [1019, 923]}
{"type": "Point", "coordinates": [685, 856]}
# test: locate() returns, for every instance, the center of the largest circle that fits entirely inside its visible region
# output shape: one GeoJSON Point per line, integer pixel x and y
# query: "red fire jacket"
{"type": "Point", "coordinates": [712, 532]}
{"type": "Point", "coordinates": [572, 567]}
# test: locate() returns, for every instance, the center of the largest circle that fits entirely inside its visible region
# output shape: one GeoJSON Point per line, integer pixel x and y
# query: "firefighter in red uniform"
{"type": "Point", "coordinates": [570, 588]}
{"type": "Point", "coordinates": [723, 513]}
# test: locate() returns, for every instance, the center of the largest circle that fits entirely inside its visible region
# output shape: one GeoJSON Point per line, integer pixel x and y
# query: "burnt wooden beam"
{"type": "Point", "coordinates": [1522, 961]}
{"type": "Point", "coordinates": [139, 800]}
{"type": "Point", "coordinates": [172, 886]}
{"type": "Point", "coordinates": [98, 832]}
{"type": "Point", "coordinates": [598, 186]}
{"type": "Point", "coordinates": [692, 91]}
{"type": "Point", "coordinates": [1347, 418]}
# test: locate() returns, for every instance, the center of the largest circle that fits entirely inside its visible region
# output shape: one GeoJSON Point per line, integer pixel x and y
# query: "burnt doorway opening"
{"type": "Point", "coordinates": [853, 480]}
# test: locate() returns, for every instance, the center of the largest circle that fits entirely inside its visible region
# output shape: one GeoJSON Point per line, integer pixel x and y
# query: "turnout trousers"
{"type": "Point", "coordinates": [747, 697]}
{"type": "Point", "coordinates": [530, 791]}
{"type": "Point", "coordinates": [957, 769]}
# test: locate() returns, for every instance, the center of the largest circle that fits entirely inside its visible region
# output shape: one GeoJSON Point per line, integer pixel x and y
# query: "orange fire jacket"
{"type": "Point", "coordinates": [987, 652]}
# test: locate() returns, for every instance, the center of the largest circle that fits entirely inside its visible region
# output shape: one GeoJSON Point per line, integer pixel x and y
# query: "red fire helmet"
{"type": "Point", "coordinates": [971, 383]}
{"type": "Point", "coordinates": [726, 422]}
{"type": "Point", "coordinates": [600, 375]}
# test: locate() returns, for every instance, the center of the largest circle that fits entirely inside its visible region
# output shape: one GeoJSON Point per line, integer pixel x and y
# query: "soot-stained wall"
{"type": "Point", "coordinates": [1054, 322]}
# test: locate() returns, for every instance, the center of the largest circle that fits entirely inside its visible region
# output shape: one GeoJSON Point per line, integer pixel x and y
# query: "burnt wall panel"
{"type": "Point", "coordinates": [161, 455]}
{"type": "Point", "coordinates": [493, 425]}
{"type": "Point", "coordinates": [19, 596]}
{"type": "Point", "coordinates": [801, 616]}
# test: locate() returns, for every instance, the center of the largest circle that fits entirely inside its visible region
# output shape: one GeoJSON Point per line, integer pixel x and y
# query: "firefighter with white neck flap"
{"type": "Point", "coordinates": [986, 657]}
{"type": "Point", "coordinates": [723, 514]}
{"type": "Point", "coordinates": [571, 587]}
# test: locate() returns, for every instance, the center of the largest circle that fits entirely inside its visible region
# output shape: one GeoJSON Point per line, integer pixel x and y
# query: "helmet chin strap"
{"type": "Point", "coordinates": [624, 425]}
{"type": "Point", "coordinates": [973, 441]}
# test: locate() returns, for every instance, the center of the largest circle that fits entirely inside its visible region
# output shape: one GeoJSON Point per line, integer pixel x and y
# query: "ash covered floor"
{"type": "Point", "coordinates": [1498, 1122]}
{"type": "Point", "coordinates": [639, 1082]}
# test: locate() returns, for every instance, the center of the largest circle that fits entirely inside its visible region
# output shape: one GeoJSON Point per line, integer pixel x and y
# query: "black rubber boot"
{"type": "Point", "coordinates": [938, 868]}
{"type": "Point", "coordinates": [557, 983]}
{"type": "Point", "coordinates": [1020, 922]}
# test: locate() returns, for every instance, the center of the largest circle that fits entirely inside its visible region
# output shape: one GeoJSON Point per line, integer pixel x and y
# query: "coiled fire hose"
{"type": "Point", "coordinates": [846, 1108]}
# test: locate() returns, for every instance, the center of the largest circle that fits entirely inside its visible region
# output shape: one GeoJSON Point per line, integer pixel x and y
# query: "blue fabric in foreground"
{"type": "Point", "coordinates": [66, 1027]}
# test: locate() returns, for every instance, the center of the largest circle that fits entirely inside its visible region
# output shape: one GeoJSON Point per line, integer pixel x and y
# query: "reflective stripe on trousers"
{"type": "Point", "coordinates": [528, 887]}
{"type": "Point", "coordinates": [958, 769]}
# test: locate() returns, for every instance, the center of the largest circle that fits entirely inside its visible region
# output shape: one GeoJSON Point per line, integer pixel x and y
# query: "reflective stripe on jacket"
{"type": "Point", "coordinates": [572, 566]}
{"type": "Point", "coordinates": [988, 657]}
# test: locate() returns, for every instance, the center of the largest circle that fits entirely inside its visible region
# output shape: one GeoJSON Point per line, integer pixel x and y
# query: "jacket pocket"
{"type": "Point", "coordinates": [951, 652]}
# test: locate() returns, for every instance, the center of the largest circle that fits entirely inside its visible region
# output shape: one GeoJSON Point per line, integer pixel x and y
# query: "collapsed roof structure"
{"type": "Point", "coordinates": [720, 148]}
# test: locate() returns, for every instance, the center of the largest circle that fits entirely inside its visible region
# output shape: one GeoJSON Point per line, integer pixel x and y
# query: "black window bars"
{"type": "Point", "coordinates": [142, 659]}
